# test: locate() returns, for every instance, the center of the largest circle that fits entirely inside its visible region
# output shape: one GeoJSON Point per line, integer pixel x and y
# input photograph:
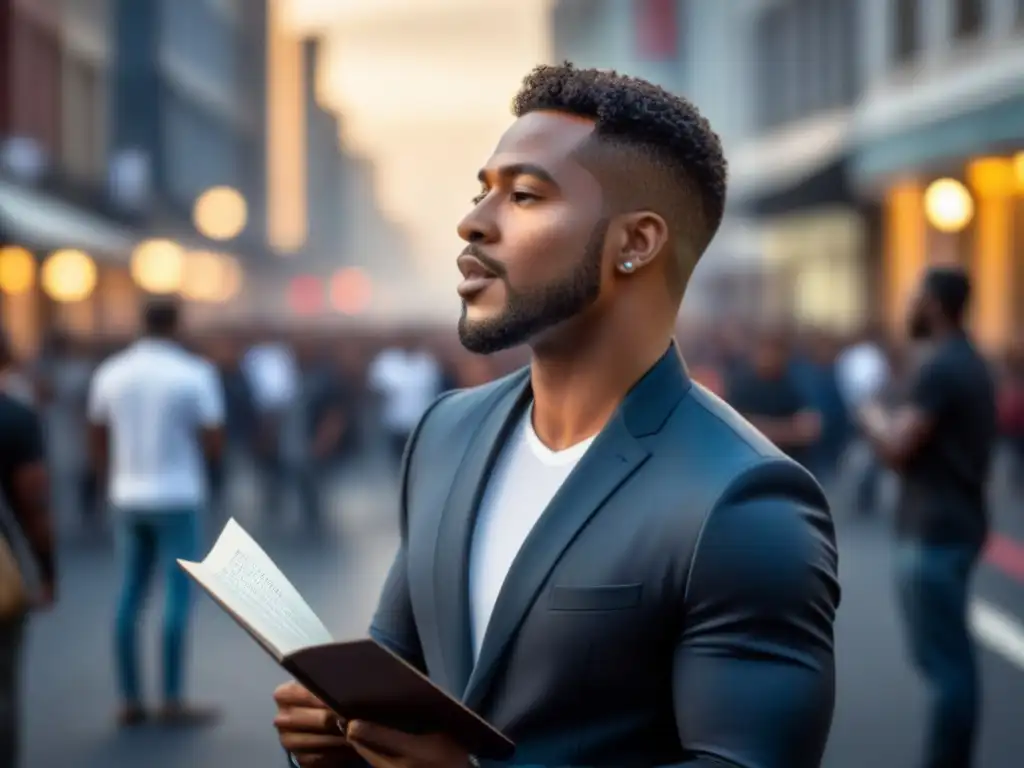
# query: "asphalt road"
{"type": "Point", "coordinates": [70, 704]}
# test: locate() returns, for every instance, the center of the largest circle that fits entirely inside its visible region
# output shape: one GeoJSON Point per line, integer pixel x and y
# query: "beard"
{"type": "Point", "coordinates": [528, 313]}
{"type": "Point", "coordinates": [919, 327]}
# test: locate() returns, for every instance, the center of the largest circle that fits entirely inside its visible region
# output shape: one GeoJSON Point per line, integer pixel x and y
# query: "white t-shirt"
{"type": "Point", "coordinates": [154, 398]}
{"type": "Point", "coordinates": [862, 371]}
{"type": "Point", "coordinates": [408, 382]}
{"type": "Point", "coordinates": [272, 374]}
{"type": "Point", "coordinates": [525, 479]}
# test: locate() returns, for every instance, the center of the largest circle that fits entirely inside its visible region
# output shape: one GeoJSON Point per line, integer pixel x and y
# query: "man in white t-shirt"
{"type": "Point", "coordinates": [407, 378]}
{"type": "Point", "coordinates": [863, 374]}
{"type": "Point", "coordinates": [157, 416]}
{"type": "Point", "coordinates": [272, 373]}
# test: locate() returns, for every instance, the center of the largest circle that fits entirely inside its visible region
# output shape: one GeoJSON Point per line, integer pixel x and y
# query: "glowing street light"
{"type": "Point", "coordinates": [158, 266]}
{"type": "Point", "coordinates": [220, 213]}
{"type": "Point", "coordinates": [69, 276]}
{"type": "Point", "coordinates": [17, 270]}
{"type": "Point", "coordinates": [948, 205]}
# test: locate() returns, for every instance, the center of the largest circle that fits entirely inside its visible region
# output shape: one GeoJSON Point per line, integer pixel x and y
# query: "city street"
{"type": "Point", "coordinates": [70, 703]}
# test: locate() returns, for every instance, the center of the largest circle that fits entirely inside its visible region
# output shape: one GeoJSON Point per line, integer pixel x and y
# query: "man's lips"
{"type": "Point", "coordinates": [477, 277]}
{"type": "Point", "coordinates": [471, 286]}
{"type": "Point", "coordinates": [472, 267]}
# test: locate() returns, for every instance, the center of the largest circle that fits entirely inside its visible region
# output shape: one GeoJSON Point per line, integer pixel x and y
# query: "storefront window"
{"type": "Point", "coordinates": [817, 259]}
{"type": "Point", "coordinates": [35, 84]}
{"type": "Point", "coordinates": [968, 18]}
{"type": "Point", "coordinates": [771, 64]}
{"type": "Point", "coordinates": [906, 36]}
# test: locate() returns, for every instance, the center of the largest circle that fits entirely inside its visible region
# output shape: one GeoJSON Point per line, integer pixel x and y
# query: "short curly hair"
{"type": "Point", "coordinates": [637, 113]}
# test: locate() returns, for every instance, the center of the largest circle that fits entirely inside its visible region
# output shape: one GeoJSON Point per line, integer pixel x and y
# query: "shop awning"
{"type": "Point", "coordinates": [826, 186]}
{"type": "Point", "coordinates": [36, 220]}
{"type": "Point", "coordinates": [933, 146]}
{"type": "Point", "coordinates": [802, 166]}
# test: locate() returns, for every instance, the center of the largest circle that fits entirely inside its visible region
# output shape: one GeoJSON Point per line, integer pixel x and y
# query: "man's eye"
{"type": "Point", "coordinates": [479, 198]}
{"type": "Point", "coordinates": [524, 197]}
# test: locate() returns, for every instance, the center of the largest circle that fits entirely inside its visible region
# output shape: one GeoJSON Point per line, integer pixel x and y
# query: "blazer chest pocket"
{"type": "Point", "coordinates": [612, 597]}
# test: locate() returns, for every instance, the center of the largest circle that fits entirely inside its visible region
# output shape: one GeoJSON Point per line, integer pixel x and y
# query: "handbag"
{"type": "Point", "coordinates": [14, 598]}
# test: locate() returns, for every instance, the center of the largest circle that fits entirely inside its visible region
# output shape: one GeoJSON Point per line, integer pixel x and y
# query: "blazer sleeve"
{"type": "Point", "coordinates": [393, 624]}
{"type": "Point", "coordinates": [754, 676]}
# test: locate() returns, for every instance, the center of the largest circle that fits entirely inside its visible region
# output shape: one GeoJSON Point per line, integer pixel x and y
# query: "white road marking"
{"type": "Point", "coordinates": [998, 631]}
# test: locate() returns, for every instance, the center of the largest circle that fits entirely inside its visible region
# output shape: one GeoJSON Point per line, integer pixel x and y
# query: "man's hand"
{"type": "Point", "coordinates": [309, 730]}
{"type": "Point", "coordinates": [806, 427]}
{"type": "Point", "coordinates": [46, 598]}
{"type": "Point", "coordinates": [873, 418]}
{"type": "Point", "coordinates": [387, 748]}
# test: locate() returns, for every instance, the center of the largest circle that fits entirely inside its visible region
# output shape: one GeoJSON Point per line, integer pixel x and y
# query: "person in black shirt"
{"type": "Point", "coordinates": [24, 492]}
{"type": "Point", "coordinates": [941, 443]}
{"type": "Point", "coordinates": [769, 397]}
{"type": "Point", "coordinates": [325, 406]}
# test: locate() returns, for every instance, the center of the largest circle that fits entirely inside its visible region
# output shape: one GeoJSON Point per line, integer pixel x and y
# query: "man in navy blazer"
{"type": "Point", "coordinates": [598, 556]}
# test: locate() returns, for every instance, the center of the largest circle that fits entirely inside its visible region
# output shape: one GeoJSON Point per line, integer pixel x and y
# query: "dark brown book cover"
{"type": "Point", "coordinates": [364, 680]}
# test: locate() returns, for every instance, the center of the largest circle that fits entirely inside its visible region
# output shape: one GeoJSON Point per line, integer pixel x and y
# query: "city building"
{"type": "Point", "coordinates": [188, 140]}
{"type": "Point", "coordinates": [641, 37]}
{"type": "Point", "coordinates": [59, 236]}
{"type": "Point", "coordinates": [779, 80]}
{"type": "Point", "coordinates": [838, 117]}
{"type": "Point", "coordinates": [422, 90]}
{"type": "Point", "coordinates": [318, 191]}
{"type": "Point", "coordinates": [939, 132]}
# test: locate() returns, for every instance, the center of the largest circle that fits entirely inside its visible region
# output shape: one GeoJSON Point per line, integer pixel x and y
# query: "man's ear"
{"type": "Point", "coordinates": [643, 236]}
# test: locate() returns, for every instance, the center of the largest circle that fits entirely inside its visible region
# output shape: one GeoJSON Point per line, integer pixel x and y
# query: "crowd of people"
{"type": "Point", "coordinates": [296, 402]}
{"type": "Point", "coordinates": [601, 471]}
{"type": "Point", "coordinates": [297, 406]}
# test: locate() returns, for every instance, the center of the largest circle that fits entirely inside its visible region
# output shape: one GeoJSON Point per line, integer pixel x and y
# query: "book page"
{"type": "Point", "coordinates": [244, 578]}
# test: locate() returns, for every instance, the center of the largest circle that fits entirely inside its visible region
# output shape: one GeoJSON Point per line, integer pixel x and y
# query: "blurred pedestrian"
{"type": "Point", "coordinates": [315, 429]}
{"type": "Point", "coordinates": [25, 515]}
{"type": "Point", "coordinates": [769, 396]}
{"type": "Point", "coordinates": [941, 443]}
{"type": "Point", "coordinates": [816, 375]}
{"type": "Point", "coordinates": [863, 374]}
{"type": "Point", "coordinates": [407, 377]}
{"type": "Point", "coordinates": [1011, 413]}
{"type": "Point", "coordinates": [273, 376]}
{"type": "Point", "coordinates": [241, 421]}
{"type": "Point", "coordinates": [158, 414]}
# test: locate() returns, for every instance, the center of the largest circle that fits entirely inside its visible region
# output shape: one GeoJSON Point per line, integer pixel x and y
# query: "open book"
{"type": "Point", "coordinates": [361, 679]}
{"type": "Point", "coordinates": [240, 576]}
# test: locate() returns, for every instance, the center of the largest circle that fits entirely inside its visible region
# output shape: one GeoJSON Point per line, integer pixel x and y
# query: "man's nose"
{"type": "Point", "coordinates": [477, 227]}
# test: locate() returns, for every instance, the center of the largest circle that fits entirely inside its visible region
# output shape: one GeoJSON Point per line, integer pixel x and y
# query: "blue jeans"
{"type": "Point", "coordinates": [148, 538]}
{"type": "Point", "coordinates": [934, 584]}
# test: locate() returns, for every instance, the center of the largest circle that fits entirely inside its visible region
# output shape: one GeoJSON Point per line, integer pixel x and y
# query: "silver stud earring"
{"type": "Point", "coordinates": [627, 266]}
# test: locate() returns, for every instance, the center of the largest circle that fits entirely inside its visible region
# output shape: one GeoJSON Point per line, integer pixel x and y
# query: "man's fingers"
{"type": "Point", "coordinates": [299, 743]}
{"type": "Point", "coordinates": [380, 738]}
{"type": "Point", "coordinates": [293, 694]}
{"type": "Point", "coordinates": [308, 720]}
{"type": "Point", "coordinates": [375, 759]}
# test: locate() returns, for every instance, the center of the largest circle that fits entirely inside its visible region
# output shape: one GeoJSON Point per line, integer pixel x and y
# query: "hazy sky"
{"type": "Point", "coordinates": [424, 88]}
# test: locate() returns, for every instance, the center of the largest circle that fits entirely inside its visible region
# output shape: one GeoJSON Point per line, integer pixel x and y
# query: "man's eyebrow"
{"type": "Point", "coordinates": [518, 169]}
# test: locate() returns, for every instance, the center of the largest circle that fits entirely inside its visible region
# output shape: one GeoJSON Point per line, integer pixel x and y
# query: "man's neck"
{"type": "Point", "coordinates": [947, 332]}
{"type": "Point", "coordinates": [577, 387]}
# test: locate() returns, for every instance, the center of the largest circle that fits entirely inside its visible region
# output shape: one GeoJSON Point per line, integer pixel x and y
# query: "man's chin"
{"type": "Point", "coordinates": [487, 335]}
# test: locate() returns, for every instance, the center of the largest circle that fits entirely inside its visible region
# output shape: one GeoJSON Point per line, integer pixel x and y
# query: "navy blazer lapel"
{"type": "Point", "coordinates": [455, 534]}
{"type": "Point", "coordinates": [613, 457]}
